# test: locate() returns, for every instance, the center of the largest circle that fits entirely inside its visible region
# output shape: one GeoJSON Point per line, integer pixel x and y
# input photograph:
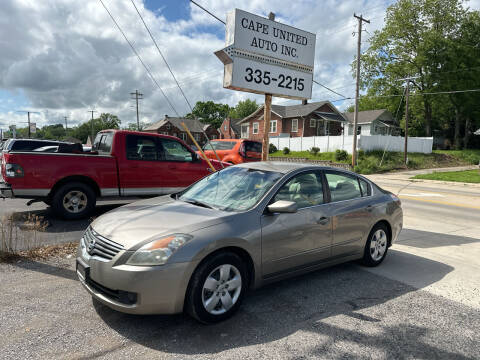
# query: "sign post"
{"type": "Point", "coordinates": [263, 56]}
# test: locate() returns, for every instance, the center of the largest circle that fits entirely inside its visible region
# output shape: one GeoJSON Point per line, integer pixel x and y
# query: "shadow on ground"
{"type": "Point", "coordinates": [426, 239]}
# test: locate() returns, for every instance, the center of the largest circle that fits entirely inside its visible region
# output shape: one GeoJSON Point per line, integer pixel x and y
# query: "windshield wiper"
{"type": "Point", "coordinates": [198, 203]}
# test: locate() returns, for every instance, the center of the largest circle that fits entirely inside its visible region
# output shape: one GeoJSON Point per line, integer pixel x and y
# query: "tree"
{"type": "Point", "coordinates": [103, 122]}
{"type": "Point", "coordinates": [411, 44]}
{"type": "Point", "coordinates": [243, 109]}
{"type": "Point", "coordinates": [209, 112]}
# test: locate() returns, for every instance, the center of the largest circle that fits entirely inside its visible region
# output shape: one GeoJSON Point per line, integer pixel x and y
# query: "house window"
{"type": "Point", "coordinates": [244, 131]}
{"type": "Point", "coordinates": [225, 127]}
{"type": "Point", "coordinates": [168, 126]}
{"type": "Point", "coordinates": [197, 136]}
{"type": "Point", "coordinates": [255, 127]}
{"type": "Point", "coordinates": [273, 126]}
{"type": "Point", "coordinates": [294, 125]}
{"type": "Point", "coordinates": [213, 137]}
{"type": "Point", "coordinates": [359, 130]}
{"type": "Point", "coordinates": [312, 123]}
{"type": "Point", "coordinates": [164, 133]}
{"type": "Point", "coordinates": [183, 136]}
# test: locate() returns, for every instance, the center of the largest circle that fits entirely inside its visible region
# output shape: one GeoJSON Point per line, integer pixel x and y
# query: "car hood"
{"type": "Point", "coordinates": [152, 218]}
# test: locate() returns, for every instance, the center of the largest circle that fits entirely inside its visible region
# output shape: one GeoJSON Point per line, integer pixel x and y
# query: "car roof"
{"type": "Point", "coordinates": [286, 167]}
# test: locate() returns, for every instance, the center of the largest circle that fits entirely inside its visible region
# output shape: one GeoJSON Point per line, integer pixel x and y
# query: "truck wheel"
{"type": "Point", "coordinates": [73, 201]}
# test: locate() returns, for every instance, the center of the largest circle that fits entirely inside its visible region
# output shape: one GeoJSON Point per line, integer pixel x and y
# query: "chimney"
{"type": "Point", "coordinates": [166, 116]}
{"type": "Point", "coordinates": [304, 102]}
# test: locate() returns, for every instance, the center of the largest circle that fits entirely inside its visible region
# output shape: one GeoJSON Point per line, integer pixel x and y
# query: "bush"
{"type": "Point", "coordinates": [272, 148]}
{"type": "Point", "coordinates": [341, 155]}
{"type": "Point", "coordinates": [314, 151]}
{"type": "Point", "coordinates": [286, 150]}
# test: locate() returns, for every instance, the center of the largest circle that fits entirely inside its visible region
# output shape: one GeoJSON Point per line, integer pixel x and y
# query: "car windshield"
{"type": "Point", "coordinates": [220, 145]}
{"type": "Point", "coordinates": [232, 189]}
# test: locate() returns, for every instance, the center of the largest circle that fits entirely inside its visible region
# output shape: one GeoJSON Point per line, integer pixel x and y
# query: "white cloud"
{"type": "Point", "coordinates": [68, 57]}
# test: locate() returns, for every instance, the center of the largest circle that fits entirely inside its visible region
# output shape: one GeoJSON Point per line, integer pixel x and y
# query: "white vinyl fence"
{"type": "Point", "coordinates": [364, 142]}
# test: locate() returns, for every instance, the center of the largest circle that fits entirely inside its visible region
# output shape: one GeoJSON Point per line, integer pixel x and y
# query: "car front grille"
{"type": "Point", "coordinates": [97, 245]}
{"type": "Point", "coordinates": [124, 297]}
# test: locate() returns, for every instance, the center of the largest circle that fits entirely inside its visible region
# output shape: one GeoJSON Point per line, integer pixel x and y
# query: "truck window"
{"type": "Point", "coordinates": [103, 143]}
{"type": "Point", "coordinates": [141, 148]}
{"type": "Point", "coordinates": [174, 151]}
{"type": "Point", "coordinates": [253, 146]}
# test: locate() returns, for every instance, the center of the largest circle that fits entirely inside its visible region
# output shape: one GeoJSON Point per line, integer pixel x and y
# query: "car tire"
{"type": "Point", "coordinates": [209, 297]}
{"type": "Point", "coordinates": [376, 247]}
{"type": "Point", "coordinates": [73, 201]}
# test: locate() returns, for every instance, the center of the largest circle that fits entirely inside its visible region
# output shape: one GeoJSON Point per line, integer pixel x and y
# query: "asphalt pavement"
{"type": "Point", "coordinates": [422, 302]}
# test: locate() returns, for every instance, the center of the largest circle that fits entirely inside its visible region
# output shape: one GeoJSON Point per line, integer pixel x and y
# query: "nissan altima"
{"type": "Point", "coordinates": [201, 250]}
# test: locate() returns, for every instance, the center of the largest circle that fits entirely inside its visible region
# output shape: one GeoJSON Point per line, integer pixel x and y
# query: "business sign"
{"type": "Point", "coordinates": [33, 128]}
{"type": "Point", "coordinates": [265, 57]}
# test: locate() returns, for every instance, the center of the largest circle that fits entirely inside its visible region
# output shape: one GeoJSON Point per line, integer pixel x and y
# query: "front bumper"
{"type": "Point", "coordinates": [136, 289]}
{"type": "Point", "coordinates": [5, 190]}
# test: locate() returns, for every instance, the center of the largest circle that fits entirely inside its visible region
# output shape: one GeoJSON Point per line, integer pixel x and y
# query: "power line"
{"type": "Point", "coordinates": [201, 7]}
{"type": "Point", "coordinates": [336, 93]}
{"type": "Point", "coordinates": [139, 58]}
{"type": "Point", "coordinates": [161, 54]}
{"type": "Point", "coordinates": [174, 78]}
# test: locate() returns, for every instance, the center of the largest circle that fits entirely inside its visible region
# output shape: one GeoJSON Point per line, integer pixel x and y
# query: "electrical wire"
{"type": "Point", "coordinates": [174, 78]}
{"type": "Point", "coordinates": [139, 58]}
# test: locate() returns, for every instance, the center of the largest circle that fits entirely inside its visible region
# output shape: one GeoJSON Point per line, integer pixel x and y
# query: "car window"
{"type": "Point", "coordinates": [232, 189]}
{"type": "Point", "coordinates": [174, 151]}
{"type": "Point", "coordinates": [30, 145]}
{"type": "Point", "coordinates": [103, 143]}
{"type": "Point", "coordinates": [220, 145]}
{"type": "Point", "coordinates": [305, 189]}
{"type": "Point", "coordinates": [253, 146]}
{"type": "Point", "coordinates": [343, 187]}
{"type": "Point", "coordinates": [366, 191]}
{"type": "Point", "coordinates": [141, 148]}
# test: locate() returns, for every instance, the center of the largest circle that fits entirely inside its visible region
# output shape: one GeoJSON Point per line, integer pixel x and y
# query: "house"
{"type": "Point", "coordinates": [172, 126]}
{"type": "Point", "coordinates": [230, 129]}
{"type": "Point", "coordinates": [373, 122]}
{"type": "Point", "coordinates": [307, 119]}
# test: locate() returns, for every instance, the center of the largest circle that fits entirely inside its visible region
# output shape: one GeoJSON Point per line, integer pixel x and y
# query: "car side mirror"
{"type": "Point", "coordinates": [282, 206]}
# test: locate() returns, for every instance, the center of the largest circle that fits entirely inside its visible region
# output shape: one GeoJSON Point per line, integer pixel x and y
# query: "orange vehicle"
{"type": "Point", "coordinates": [234, 151]}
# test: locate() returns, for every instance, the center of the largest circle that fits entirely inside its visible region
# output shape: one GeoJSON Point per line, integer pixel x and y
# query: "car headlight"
{"type": "Point", "coordinates": [157, 252]}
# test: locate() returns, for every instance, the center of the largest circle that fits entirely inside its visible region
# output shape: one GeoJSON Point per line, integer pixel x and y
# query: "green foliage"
{"type": "Point", "coordinates": [272, 148]}
{"type": "Point", "coordinates": [468, 176]}
{"type": "Point", "coordinates": [341, 155]}
{"type": "Point", "coordinates": [103, 122]}
{"type": "Point", "coordinates": [435, 41]}
{"type": "Point", "coordinates": [314, 150]}
{"type": "Point", "coordinates": [286, 150]}
{"type": "Point", "coordinates": [243, 109]}
{"type": "Point", "coordinates": [209, 112]}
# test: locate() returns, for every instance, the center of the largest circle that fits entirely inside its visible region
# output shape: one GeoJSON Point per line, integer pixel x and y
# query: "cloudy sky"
{"type": "Point", "coordinates": [65, 57]}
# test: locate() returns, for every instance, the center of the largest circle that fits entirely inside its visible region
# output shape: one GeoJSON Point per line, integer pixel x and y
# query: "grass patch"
{"type": "Point", "coordinates": [470, 156]}
{"type": "Point", "coordinates": [467, 176]}
{"type": "Point", "coordinates": [369, 162]}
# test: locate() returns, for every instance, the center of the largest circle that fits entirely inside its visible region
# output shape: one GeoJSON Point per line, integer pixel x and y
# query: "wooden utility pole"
{"type": "Point", "coordinates": [407, 94]}
{"type": "Point", "coordinates": [91, 127]}
{"type": "Point", "coordinates": [136, 95]}
{"type": "Point", "coordinates": [357, 87]}
{"type": "Point", "coordinates": [28, 118]}
{"type": "Point", "coordinates": [267, 112]}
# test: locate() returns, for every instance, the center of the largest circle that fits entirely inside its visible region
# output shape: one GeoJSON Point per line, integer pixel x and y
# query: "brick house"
{"type": "Point", "coordinates": [230, 129]}
{"type": "Point", "coordinates": [171, 126]}
{"type": "Point", "coordinates": [307, 119]}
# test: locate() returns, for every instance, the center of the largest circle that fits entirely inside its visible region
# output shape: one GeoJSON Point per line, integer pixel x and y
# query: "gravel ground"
{"type": "Point", "coordinates": [341, 312]}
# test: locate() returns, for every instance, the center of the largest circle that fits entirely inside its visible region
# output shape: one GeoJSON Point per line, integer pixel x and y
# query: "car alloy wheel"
{"type": "Point", "coordinates": [75, 201]}
{"type": "Point", "coordinates": [221, 289]}
{"type": "Point", "coordinates": [378, 245]}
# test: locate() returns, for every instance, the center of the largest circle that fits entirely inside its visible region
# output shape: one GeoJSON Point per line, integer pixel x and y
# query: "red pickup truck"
{"type": "Point", "coordinates": [121, 164]}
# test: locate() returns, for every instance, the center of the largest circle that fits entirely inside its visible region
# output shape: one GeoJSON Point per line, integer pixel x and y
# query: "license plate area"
{"type": "Point", "coordinates": [83, 271]}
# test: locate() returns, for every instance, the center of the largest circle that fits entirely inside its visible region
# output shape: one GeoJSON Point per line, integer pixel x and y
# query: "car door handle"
{"type": "Point", "coordinates": [323, 220]}
{"type": "Point", "coordinates": [369, 208]}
